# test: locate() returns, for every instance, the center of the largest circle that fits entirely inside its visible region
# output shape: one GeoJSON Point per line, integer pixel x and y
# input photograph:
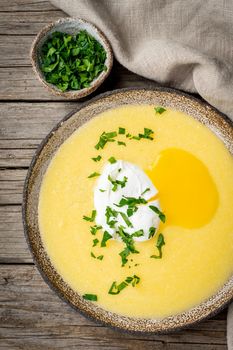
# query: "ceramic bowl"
{"type": "Point", "coordinates": [71, 26]}
{"type": "Point", "coordinates": [204, 113]}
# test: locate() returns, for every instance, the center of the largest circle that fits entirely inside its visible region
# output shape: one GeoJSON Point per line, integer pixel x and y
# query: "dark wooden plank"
{"type": "Point", "coordinates": [20, 83]}
{"type": "Point", "coordinates": [13, 247]}
{"type": "Point", "coordinates": [15, 50]}
{"type": "Point", "coordinates": [27, 22]}
{"type": "Point", "coordinates": [23, 123]}
{"type": "Point", "coordinates": [15, 157]}
{"type": "Point", "coordinates": [26, 5]}
{"type": "Point", "coordinates": [11, 185]}
{"type": "Point", "coordinates": [33, 317]}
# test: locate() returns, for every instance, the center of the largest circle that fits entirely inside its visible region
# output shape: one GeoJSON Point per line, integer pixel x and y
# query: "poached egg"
{"type": "Point", "coordinates": [130, 181]}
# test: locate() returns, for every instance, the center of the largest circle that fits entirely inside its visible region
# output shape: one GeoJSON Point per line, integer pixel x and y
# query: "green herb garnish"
{"type": "Point", "coordinates": [133, 280]}
{"type": "Point", "coordinates": [72, 62]}
{"type": "Point", "coordinates": [151, 232]}
{"type": "Point", "coordinates": [100, 257]}
{"type": "Point", "coordinates": [94, 229]}
{"type": "Point", "coordinates": [93, 255]}
{"type": "Point", "coordinates": [112, 160]}
{"type": "Point", "coordinates": [105, 238]}
{"type": "Point", "coordinates": [160, 243]}
{"type": "Point", "coordinates": [132, 204]}
{"type": "Point", "coordinates": [120, 143]}
{"type": "Point", "coordinates": [104, 138]}
{"type": "Point", "coordinates": [157, 211]}
{"type": "Point", "coordinates": [92, 297]}
{"type": "Point", "coordinates": [159, 110]}
{"type": "Point", "coordinates": [117, 183]}
{"type": "Point", "coordinates": [147, 134]}
{"type": "Point", "coordinates": [92, 218]}
{"type": "Point", "coordinates": [138, 233]}
{"type": "Point", "coordinates": [111, 215]}
{"type": "Point", "coordinates": [121, 131]}
{"type": "Point", "coordinates": [95, 242]}
{"type": "Point", "coordinates": [126, 219]}
{"type": "Point", "coordinates": [93, 175]}
{"type": "Point", "coordinates": [136, 138]}
{"type": "Point", "coordinates": [124, 254]}
{"type": "Point", "coordinates": [146, 190]}
{"type": "Point", "coordinates": [129, 242]}
{"type": "Point", "coordinates": [101, 190]}
{"type": "Point", "coordinates": [97, 159]}
{"type": "Point", "coordinates": [116, 289]}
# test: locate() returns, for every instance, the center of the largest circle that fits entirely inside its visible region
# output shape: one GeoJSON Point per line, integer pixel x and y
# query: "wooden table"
{"type": "Point", "coordinates": [31, 315]}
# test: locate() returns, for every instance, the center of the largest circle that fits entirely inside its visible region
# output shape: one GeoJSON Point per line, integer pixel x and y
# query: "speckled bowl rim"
{"type": "Point", "coordinates": [71, 94]}
{"type": "Point", "coordinates": [202, 111]}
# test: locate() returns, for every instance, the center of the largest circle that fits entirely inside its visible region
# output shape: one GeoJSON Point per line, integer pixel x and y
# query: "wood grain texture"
{"type": "Point", "coordinates": [31, 315]}
{"type": "Point", "coordinates": [26, 5]}
{"type": "Point", "coordinates": [13, 246]}
{"type": "Point", "coordinates": [28, 23]}
{"type": "Point", "coordinates": [20, 83]}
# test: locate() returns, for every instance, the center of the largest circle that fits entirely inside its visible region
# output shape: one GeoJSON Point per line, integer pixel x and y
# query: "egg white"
{"type": "Point", "coordinates": [137, 182]}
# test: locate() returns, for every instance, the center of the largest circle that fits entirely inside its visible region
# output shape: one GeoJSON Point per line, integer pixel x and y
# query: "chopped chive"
{"type": "Point", "coordinates": [132, 203]}
{"type": "Point", "coordinates": [93, 175]}
{"type": "Point", "coordinates": [95, 242]}
{"type": "Point", "coordinates": [92, 297]}
{"type": "Point", "coordinates": [97, 159]}
{"type": "Point", "coordinates": [159, 110]}
{"type": "Point", "coordinates": [93, 255]}
{"type": "Point", "coordinates": [124, 254]}
{"type": "Point", "coordinates": [105, 238]}
{"type": "Point", "coordinates": [160, 243]}
{"type": "Point", "coordinates": [160, 213]}
{"type": "Point", "coordinates": [113, 289]}
{"type": "Point", "coordinates": [121, 131]}
{"type": "Point", "coordinates": [126, 219]}
{"type": "Point", "coordinates": [117, 183]}
{"type": "Point", "coordinates": [135, 138]}
{"type": "Point", "coordinates": [147, 134]}
{"type": "Point", "coordinates": [151, 232]}
{"type": "Point", "coordinates": [101, 190]}
{"type": "Point", "coordinates": [100, 257]}
{"type": "Point", "coordinates": [146, 190]}
{"type": "Point", "coordinates": [71, 62]}
{"type": "Point", "coordinates": [138, 233]}
{"type": "Point", "coordinates": [120, 143]}
{"type": "Point", "coordinates": [111, 216]}
{"type": "Point", "coordinates": [92, 218]}
{"type": "Point", "coordinates": [129, 242]}
{"type": "Point", "coordinates": [116, 289]}
{"type": "Point", "coordinates": [104, 138]}
{"type": "Point", "coordinates": [94, 229]}
{"type": "Point", "coordinates": [112, 160]}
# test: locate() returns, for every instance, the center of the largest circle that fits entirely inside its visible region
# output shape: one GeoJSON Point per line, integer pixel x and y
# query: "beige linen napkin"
{"type": "Point", "coordinates": [187, 44]}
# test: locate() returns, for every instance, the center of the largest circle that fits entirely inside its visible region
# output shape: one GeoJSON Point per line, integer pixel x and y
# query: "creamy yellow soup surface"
{"type": "Point", "coordinates": [193, 172]}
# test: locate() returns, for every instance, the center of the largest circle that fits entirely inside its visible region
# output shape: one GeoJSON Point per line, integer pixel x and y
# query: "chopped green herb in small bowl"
{"type": "Point", "coordinates": [71, 57]}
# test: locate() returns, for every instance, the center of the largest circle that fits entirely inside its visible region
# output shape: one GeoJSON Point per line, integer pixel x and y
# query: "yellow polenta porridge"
{"type": "Point", "coordinates": [135, 211]}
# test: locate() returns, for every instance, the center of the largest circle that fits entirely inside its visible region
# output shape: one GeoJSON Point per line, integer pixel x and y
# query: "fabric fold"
{"type": "Point", "coordinates": [186, 45]}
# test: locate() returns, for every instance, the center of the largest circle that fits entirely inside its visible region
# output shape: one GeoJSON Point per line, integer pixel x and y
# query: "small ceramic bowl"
{"type": "Point", "coordinates": [71, 26]}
